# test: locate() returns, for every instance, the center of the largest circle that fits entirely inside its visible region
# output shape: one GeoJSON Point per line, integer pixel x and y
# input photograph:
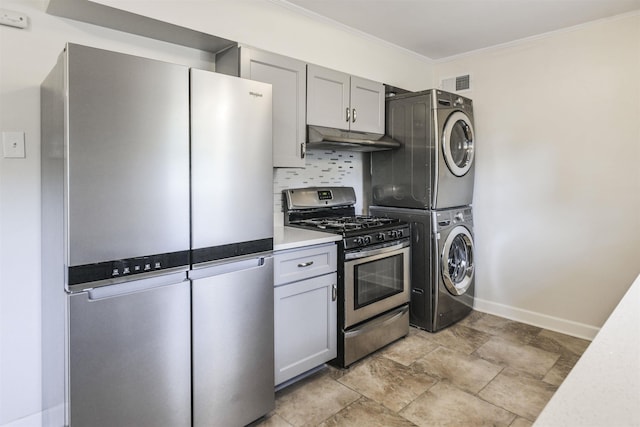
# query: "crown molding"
{"type": "Point", "coordinates": [361, 34]}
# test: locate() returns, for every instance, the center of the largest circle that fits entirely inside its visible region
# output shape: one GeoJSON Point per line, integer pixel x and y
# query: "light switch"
{"type": "Point", "coordinates": [13, 145]}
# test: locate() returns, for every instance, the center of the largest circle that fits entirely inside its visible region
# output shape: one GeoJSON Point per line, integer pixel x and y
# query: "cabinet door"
{"type": "Point", "coordinates": [367, 105]}
{"type": "Point", "coordinates": [288, 79]}
{"type": "Point", "coordinates": [327, 98]}
{"type": "Point", "coordinates": [305, 326]}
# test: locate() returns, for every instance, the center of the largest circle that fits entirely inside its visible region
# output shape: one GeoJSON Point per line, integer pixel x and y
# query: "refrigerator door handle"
{"type": "Point", "coordinates": [135, 286]}
{"type": "Point", "coordinates": [225, 268]}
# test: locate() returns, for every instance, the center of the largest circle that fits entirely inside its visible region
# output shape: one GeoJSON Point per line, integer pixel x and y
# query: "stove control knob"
{"type": "Point", "coordinates": [358, 241]}
{"type": "Point", "coordinates": [367, 240]}
{"type": "Point", "coordinates": [399, 233]}
{"type": "Point", "coordinates": [380, 236]}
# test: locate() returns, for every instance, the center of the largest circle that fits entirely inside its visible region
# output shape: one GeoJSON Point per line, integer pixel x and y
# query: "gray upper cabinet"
{"type": "Point", "coordinates": [338, 100]}
{"type": "Point", "coordinates": [288, 79]}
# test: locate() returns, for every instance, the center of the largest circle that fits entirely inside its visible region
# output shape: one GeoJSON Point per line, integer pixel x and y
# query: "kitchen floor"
{"type": "Point", "coordinates": [484, 370]}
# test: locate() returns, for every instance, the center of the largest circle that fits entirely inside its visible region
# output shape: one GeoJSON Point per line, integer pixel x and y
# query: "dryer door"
{"type": "Point", "coordinates": [458, 143]}
{"type": "Point", "coordinates": [456, 262]}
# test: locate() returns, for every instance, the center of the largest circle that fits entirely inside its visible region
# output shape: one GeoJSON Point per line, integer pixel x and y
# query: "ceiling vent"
{"type": "Point", "coordinates": [457, 84]}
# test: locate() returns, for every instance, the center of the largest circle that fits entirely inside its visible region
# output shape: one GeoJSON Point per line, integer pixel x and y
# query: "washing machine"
{"type": "Point", "coordinates": [434, 167]}
{"type": "Point", "coordinates": [442, 264]}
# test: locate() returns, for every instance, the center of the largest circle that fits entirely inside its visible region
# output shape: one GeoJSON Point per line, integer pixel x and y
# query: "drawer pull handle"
{"type": "Point", "coordinates": [305, 264]}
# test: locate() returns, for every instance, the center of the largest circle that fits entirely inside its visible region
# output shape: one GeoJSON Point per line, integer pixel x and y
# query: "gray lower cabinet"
{"type": "Point", "coordinates": [305, 310]}
{"type": "Point", "coordinates": [287, 77]}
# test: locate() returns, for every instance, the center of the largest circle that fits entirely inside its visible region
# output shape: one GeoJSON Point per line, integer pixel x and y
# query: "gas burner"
{"type": "Point", "coordinates": [345, 223]}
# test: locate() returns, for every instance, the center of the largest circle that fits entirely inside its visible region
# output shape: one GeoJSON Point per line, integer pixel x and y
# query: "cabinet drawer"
{"type": "Point", "coordinates": [299, 264]}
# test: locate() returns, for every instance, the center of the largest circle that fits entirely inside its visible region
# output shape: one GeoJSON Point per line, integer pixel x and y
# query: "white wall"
{"type": "Point", "coordinates": [557, 196]}
{"type": "Point", "coordinates": [27, 55]}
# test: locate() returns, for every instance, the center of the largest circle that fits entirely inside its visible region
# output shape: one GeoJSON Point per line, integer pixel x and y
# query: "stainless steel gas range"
{"type": "Point", "coordinates": [373, 267]}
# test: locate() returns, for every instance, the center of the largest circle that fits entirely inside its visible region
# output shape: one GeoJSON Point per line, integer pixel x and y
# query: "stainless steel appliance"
{"type": "Point", "coordinates": [373, 268]}
{"type": "Point", "coordinates": [430, 174]}
{"type": "Point", "coordinates": [443, 270]}
{"type": "Point", "coordinates": [124, 330]}
{"type": "Point", "coordinates": [434, 167]}
{"type": "Point", "coordinates": [231, 242]}
{"type": "Point", "coordinates": [115, 241]}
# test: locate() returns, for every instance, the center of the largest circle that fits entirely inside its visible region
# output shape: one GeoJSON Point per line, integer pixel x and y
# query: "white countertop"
{"type": "Point", "coordinates": [603, 389]}
{"type": "Point", "coordinates": [291, 238]}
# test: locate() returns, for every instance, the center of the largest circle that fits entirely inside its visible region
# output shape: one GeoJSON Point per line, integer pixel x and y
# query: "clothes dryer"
{"type": "Point", "coordinates": [434, 167]}
{"type": "Point", "coordinates": [442, 264]}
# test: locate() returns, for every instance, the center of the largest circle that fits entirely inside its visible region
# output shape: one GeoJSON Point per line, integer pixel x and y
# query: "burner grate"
{"type": "Point", "coordinates": [346, 223]}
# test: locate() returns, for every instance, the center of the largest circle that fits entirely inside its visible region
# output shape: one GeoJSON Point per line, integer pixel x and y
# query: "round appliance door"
{"type": "Point", "coordinates": [457, 261]}
{"type": "Point", "coordinates": [458, 143]}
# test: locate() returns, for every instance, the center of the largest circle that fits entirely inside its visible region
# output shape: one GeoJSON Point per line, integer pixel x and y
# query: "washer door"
{"type": "Point", "coordinates": [458, 143]}
{"type": "Point", "coordinates": [456, 262]}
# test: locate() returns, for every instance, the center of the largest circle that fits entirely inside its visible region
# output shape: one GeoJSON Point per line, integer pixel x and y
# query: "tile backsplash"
{"type": "Point", "coordinates": [322, 168]}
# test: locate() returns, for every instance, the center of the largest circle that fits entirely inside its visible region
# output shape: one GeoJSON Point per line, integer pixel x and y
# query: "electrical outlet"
{"type": "Point", "coordinates": [13, 145]}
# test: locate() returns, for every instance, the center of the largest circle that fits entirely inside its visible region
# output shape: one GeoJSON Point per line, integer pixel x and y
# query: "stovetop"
{"type": "Point", "coordinates": [345, 223]}
{"type": "Point", "coordinates": [331, 209]}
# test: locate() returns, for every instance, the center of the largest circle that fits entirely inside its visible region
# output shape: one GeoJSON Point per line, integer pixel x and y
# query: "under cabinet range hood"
{"type": "Point", "coordinates": [337, 139]}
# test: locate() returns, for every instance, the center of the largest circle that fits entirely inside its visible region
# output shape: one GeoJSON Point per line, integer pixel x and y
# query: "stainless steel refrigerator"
{"type": "Point", "coordinates": [115, 241]}
{"type": "Point", "coordinates": [232, 242]}
{"type": "Point", "coordinates": [124, 328]}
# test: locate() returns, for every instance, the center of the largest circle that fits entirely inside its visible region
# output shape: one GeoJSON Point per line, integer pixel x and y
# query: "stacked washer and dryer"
{"type": "Point", "coordinates": [428, 182]}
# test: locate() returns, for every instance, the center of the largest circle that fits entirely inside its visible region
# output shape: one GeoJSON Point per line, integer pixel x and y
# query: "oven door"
{"type": "Point", "coordinates": [376, 280]}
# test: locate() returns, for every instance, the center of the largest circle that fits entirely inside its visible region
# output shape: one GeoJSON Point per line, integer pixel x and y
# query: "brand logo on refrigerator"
{"type": "Point", "coordinates": [256, 94]}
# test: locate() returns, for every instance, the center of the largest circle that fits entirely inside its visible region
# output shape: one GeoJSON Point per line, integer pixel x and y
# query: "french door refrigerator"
{"type": "Point", "coordinates": [115, 241]}
{"type": "Point", "coordinates": [232, 243]}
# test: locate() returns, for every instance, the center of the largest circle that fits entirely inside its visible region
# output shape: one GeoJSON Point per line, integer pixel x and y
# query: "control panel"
{"type": "Point", "coordinates": [121, 268]}
{"type": "Point", "coordinates": [377, 237]}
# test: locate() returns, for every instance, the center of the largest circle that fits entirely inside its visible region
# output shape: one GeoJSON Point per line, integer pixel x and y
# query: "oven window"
{"type": "Point", "coordinates": [377, 280]}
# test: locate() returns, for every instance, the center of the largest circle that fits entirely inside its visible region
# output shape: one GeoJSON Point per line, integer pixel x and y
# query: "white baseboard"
{"type": "Point", "coordinates": [34, 420]}
{"type": "Point", "coordinates": [557, 324]}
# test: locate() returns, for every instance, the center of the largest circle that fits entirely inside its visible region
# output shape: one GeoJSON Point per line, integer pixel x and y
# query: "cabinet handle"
{"type": "Point", "coordinates": [348, 114]}
{"type": "Point", "coordinates": [305, 264]}
{"type": "Point", "coordinates": [334, 292]}
{"type": "Point", "coordinates": [354, 116]}
{"type": "Point", "coordinates": [303, 150]}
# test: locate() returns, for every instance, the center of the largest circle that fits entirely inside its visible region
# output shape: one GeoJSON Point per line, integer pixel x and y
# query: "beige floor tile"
{"type": "Point", "coordinates": [409, 349]}
{"type": "Point", "coordinates": [561, 369]}
{"type": "Point", "coordinates": [446, 405]}
{"type": "Point", "coordinates": [505, 328]}
{"type": "Point", "coordinates": [469, 373]}
{"type": "Point", "coordinates": [366, 412]}
{"type": "Point", "coordinates": [521, 422]}
{"type": "Point", "coordinates": [519, 332]}
{"type": "Point", "coordinates": [313, 400]}
{"type": "Point", "coordinates": [472, 317]}
{"type": "Point", "coordinates": [520, 394]}
{"type": "Point", "coordinates": [387, 382]}
{"type": "Point", "coordinates": [484, 322]}
{"type": "Point", "coordinates": [272, 420]}
{"type": "Point", "coordinates": [459, 338]}
{"type": "Point", "coordinates": [526, 358]}
{"type": "Point", "coordinates": [560, 343]}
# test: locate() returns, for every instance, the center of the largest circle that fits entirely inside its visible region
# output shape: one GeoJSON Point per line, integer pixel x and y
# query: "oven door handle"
{"type": "Point", "coordinates": [377, 251]}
